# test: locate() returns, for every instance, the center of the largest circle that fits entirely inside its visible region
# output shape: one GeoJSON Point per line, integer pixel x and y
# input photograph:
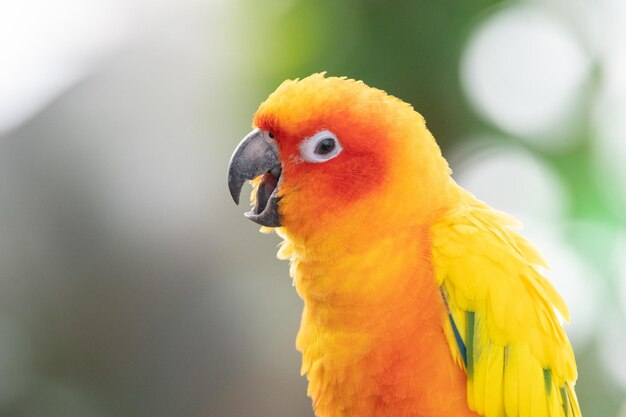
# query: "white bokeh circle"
{"type": "Point", "coordinates": [509, 178]}
{"type": "Point", "coordinates": [522, 70]}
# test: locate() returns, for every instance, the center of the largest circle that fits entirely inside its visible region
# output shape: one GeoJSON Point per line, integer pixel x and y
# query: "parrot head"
{"type": "Point", "coordinates": [334, 152]}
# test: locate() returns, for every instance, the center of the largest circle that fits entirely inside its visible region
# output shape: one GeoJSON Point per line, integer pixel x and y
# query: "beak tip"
{"type": "Point", "coordinates": [235, 193]}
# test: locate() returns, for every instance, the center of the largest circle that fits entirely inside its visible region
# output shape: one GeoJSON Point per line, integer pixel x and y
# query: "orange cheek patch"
{"type": "Point", "coordinates": [362, 167]}
{"type": "Point", "coordinates": [355, 177]}
{"type": "Point", "coordinates": [330, 187]}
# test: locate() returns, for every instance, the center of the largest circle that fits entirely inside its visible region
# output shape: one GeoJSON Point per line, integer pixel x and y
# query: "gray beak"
{"type": "Point", "coordinates": [257, 155]}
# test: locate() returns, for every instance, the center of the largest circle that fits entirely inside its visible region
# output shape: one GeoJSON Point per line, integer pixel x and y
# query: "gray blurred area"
{"type": "Point", "coordinates": [130, 283]}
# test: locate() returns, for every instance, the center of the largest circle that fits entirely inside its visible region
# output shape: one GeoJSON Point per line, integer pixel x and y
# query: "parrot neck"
{"type": "Point", "coordinates": [334, 277]}
{"type": "Point", "coordinates": [371, 333]}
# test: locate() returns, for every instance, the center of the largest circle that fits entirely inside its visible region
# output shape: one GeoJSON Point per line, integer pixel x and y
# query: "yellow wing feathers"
{"type": "Point", "coordinates": [503, 328]}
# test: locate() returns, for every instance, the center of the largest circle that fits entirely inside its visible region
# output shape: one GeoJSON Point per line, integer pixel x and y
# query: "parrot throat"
{"type": "Point", "coordinates": [371, 335]}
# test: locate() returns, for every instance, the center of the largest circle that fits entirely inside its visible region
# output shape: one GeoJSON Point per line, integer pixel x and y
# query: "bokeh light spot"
{"type": "Point", "coordinates": [522, 71]}
{"type": "Point", "coordinates": [511, 179]}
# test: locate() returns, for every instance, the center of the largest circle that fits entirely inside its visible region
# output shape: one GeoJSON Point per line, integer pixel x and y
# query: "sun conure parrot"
{"type": "Point", "coordinates": [419, 299]}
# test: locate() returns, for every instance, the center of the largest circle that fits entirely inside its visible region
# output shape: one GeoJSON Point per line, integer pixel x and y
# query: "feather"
{"type": "Point", "coordinates": [459, 340]}
{"type": "Point", "coordinates": [518, 359]}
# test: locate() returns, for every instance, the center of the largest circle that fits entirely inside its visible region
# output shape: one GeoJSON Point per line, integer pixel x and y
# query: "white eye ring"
{"type": "Point", "coordinates": [320, 147]}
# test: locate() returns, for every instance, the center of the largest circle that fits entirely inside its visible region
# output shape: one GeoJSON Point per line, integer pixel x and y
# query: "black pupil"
{"type": "Point", "coordinates": [325, 146]}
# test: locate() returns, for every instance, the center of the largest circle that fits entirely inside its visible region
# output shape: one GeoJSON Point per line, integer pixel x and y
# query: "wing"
{"type": "Point", "coordinates": [503, 328]}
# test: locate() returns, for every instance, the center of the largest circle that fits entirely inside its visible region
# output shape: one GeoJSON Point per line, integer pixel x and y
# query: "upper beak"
{"type": "Point", "coordinates": [257, 155]}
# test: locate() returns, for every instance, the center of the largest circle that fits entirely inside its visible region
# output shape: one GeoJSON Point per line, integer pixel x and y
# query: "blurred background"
{"type": "Point", "coordinates": [130, 284]}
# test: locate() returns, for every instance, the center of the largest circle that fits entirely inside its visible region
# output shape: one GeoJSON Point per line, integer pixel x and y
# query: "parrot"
{"type": "Point", "coordinates": [418, 298]}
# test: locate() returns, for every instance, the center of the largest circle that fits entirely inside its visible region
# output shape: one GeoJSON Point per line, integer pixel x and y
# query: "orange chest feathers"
{"type": "Point", "coordinates": [371, 335]}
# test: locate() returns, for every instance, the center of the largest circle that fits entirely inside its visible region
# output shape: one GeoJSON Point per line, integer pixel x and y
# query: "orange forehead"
{"type": "Point", "coordinates": [349, 108]}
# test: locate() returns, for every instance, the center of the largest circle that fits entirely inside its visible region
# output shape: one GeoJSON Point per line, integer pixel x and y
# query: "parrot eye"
{"type": "Point", "coordinates": [325, 146]}
{"type": "Point", "coordinates": [320, 147]}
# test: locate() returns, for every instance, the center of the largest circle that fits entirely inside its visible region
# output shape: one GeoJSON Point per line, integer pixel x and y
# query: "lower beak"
{"type": "Point", "coordinates": [256, 155]}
